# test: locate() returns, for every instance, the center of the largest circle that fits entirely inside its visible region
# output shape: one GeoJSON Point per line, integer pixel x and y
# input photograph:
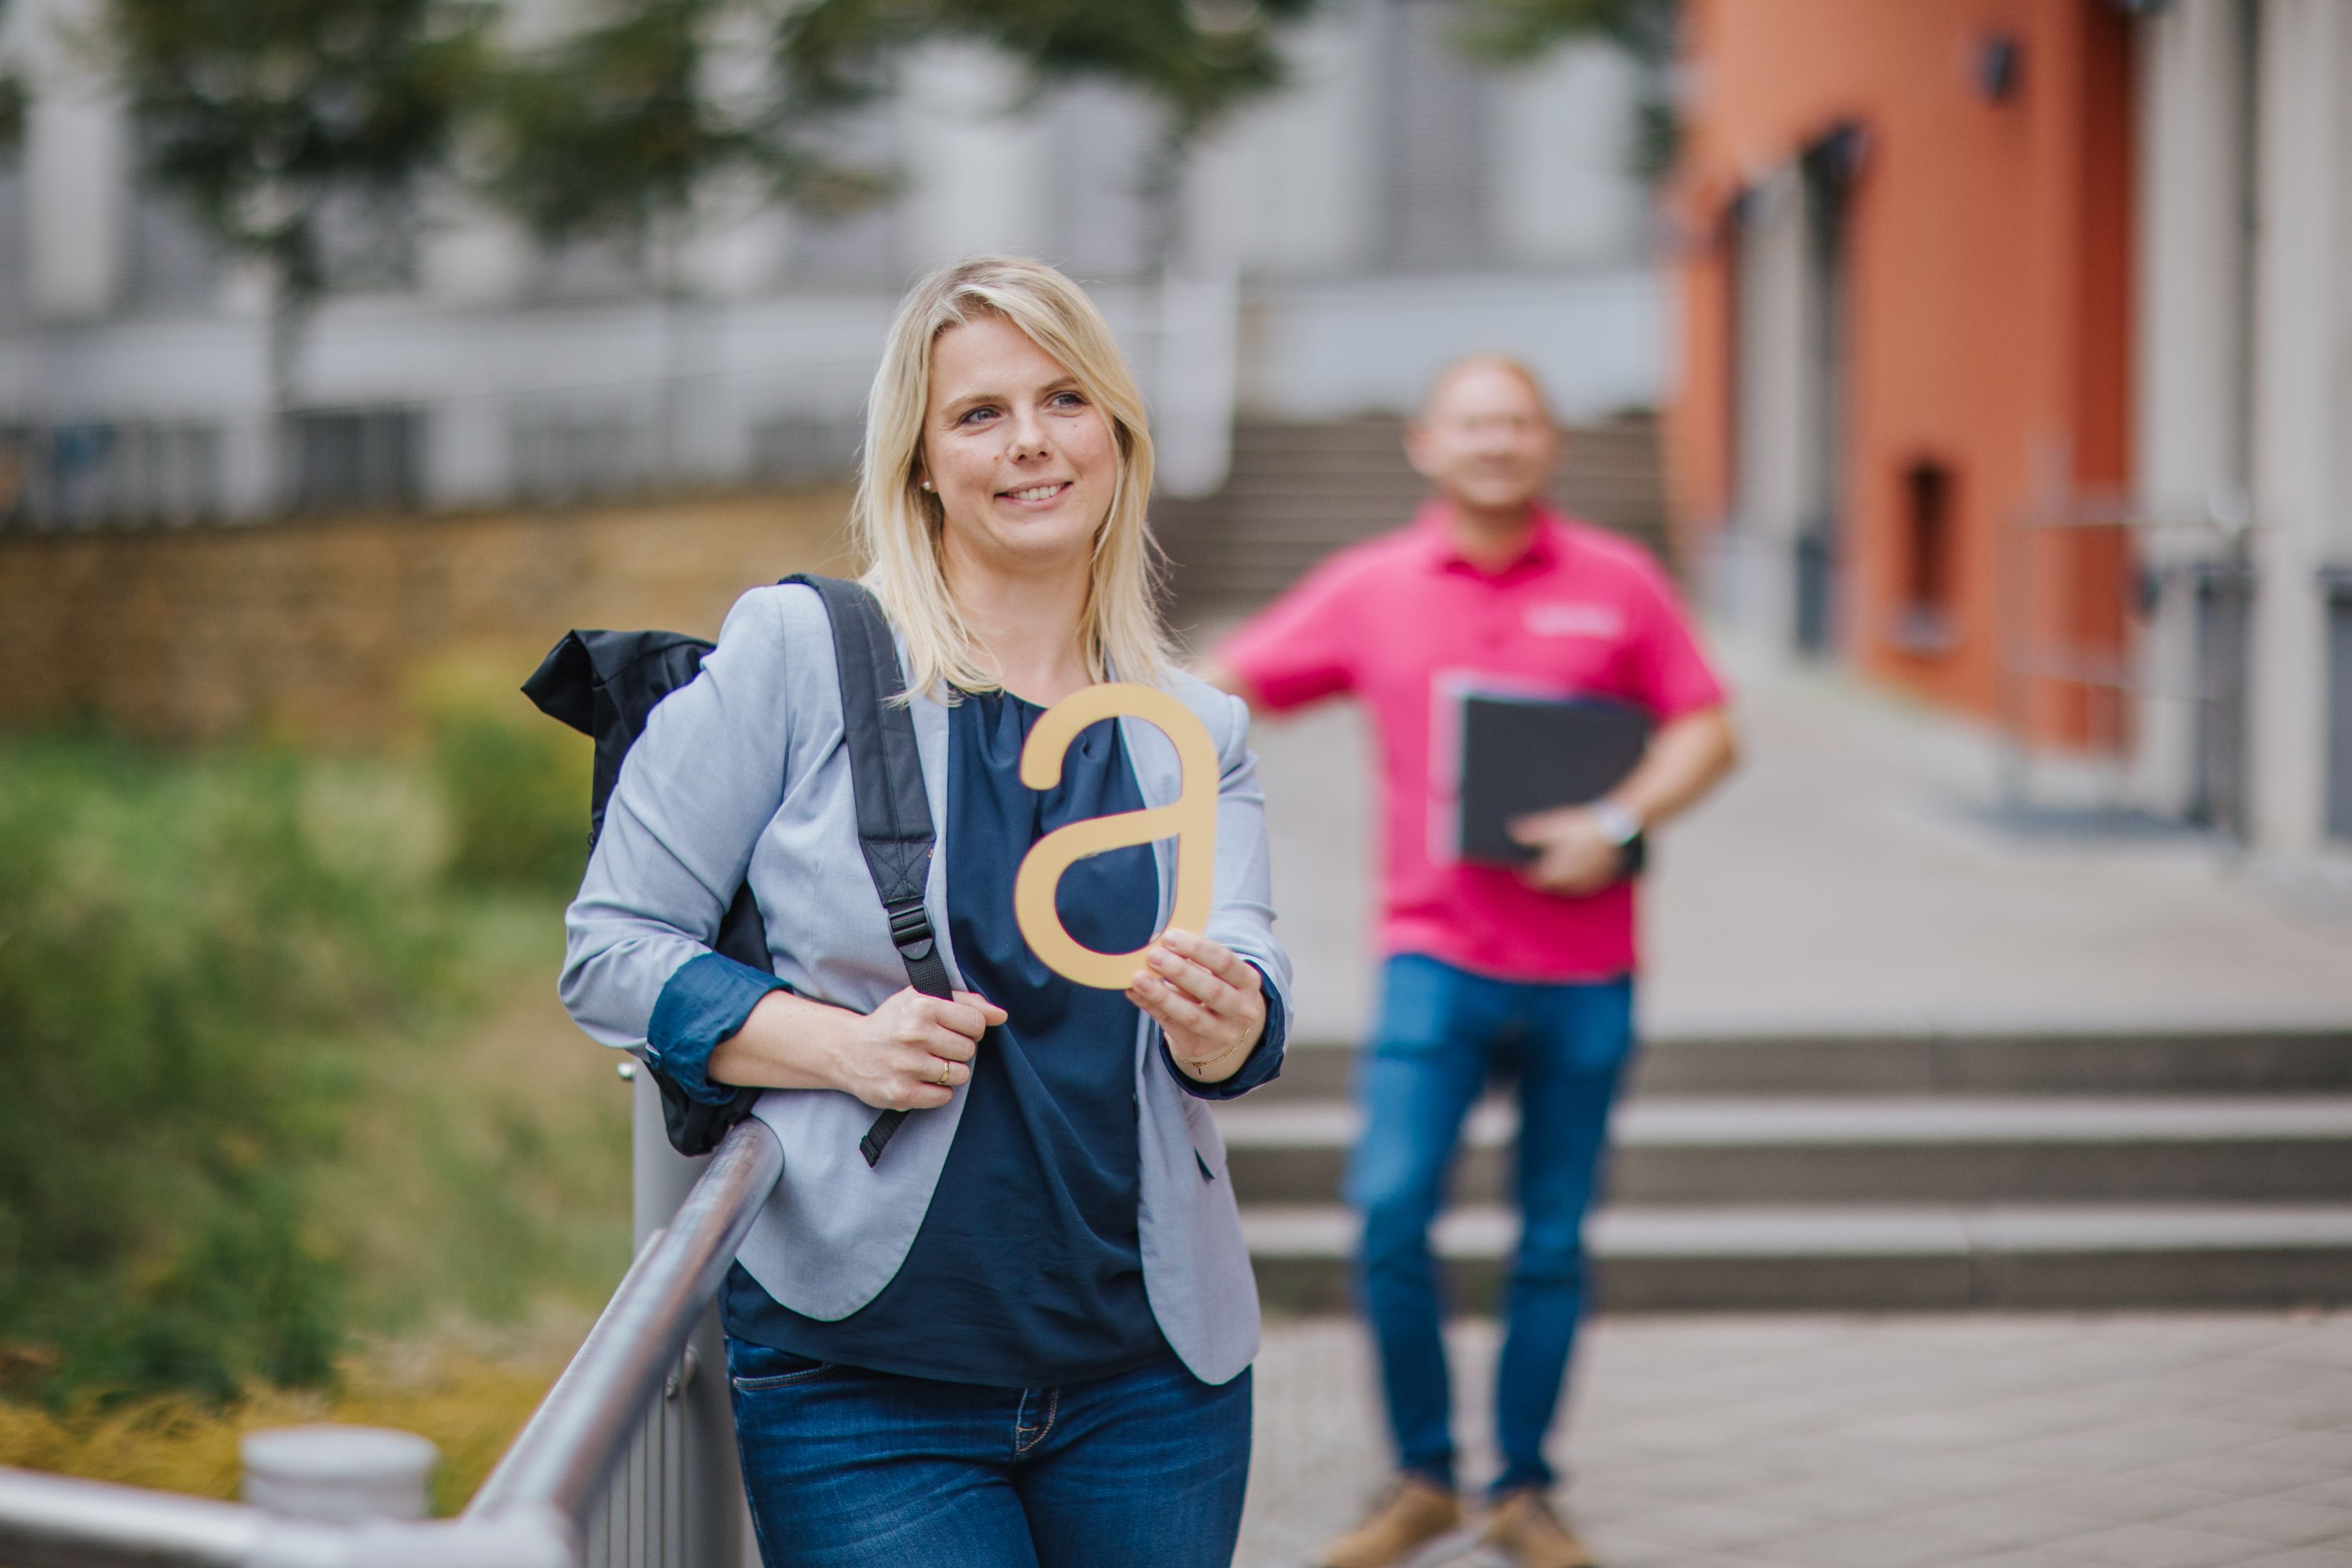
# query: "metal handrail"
{"type": "Point", "coordinates": [530, 1513]}
{"type": "Point", "coordinates": [568, 1448]}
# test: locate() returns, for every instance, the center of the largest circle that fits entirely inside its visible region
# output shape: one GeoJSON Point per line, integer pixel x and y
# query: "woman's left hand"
{"type": "Point", "coordinates": [1210, 1001]}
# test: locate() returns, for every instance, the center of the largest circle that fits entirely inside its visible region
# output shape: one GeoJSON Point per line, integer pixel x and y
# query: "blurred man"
{"type": "Point", "coordinates": [1528, 971]}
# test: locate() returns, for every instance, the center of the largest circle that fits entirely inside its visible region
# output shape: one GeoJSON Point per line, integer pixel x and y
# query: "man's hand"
{"type": "Point", "coordinates": [1573, 857]}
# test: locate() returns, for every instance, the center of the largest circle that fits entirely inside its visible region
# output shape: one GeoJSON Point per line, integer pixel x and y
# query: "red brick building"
{"type": "Point", "coordinates": [1904, 275]}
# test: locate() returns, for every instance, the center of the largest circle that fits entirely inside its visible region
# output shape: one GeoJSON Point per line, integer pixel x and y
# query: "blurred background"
{"type": "Point", "coordinates": [1978, 367]}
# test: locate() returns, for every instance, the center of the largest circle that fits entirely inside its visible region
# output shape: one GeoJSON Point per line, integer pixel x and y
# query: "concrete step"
{"type": "Point", "coordinates": [1936, 1150]}
{"type": "Point", "coordinates": [2111, 1062]}
{"type": "Point", "coordinates": [1299, 491]}
{"type": "Point", "coordinates": [1866, 1258]}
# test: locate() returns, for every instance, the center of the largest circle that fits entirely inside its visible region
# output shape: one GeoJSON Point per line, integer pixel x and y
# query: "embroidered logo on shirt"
{"type": "Point", "coordinates": [1560, 620]}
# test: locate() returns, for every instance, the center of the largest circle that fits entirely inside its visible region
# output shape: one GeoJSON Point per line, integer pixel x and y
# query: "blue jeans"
{"type": "Point", "coordinates": [1442, 1032]}
{"type": "Point", "coordinates": [845, 1467]}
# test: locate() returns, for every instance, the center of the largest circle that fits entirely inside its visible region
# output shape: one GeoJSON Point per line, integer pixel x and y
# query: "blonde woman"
{"type": "Point", "coordinates": [1024, 1335]}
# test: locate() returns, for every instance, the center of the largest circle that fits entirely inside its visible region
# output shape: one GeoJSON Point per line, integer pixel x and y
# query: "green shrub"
{"type": "Point", "coordinates": [193, 953]}
{"type": "Point", "coordinates": [514, 781]}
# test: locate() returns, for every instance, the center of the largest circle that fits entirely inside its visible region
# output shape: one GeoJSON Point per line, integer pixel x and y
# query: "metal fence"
{"type": "Point", "coordinates": [609, 1471]}
{"type": "Point", "coordinates": [2079, 586]}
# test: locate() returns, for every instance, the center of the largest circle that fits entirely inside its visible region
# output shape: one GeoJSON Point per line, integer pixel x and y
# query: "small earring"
{"type": "Point", "coordinates": [927, 484]}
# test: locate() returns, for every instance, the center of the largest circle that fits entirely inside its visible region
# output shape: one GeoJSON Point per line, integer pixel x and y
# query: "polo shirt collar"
{"type": "Point", "coordinates": [1546, 543]}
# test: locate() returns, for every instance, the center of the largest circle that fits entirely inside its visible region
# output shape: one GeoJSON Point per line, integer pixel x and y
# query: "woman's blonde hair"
{"type": "Point", "coordinates": [897, 525]}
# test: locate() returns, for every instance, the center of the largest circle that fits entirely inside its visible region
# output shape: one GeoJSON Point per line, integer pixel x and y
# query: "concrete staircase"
{"type": "Point", "coordinates": [1299, 491]}
{"type": "Point", "coordinates": [2069, 1171]}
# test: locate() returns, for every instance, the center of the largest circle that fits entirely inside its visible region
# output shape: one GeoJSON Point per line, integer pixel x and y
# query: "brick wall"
{"type": "Point", "coordinates": [313, 629]}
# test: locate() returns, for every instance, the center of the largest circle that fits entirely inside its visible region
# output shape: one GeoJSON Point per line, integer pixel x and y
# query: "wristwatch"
{"type": "Point", "coordinates": [1622, 828]}
{"type": "Point", "coordinates": [1617, 825]}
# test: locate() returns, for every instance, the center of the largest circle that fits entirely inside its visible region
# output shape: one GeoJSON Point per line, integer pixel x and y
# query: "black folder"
{"type": "Point", "coordinates": [1522, 755]}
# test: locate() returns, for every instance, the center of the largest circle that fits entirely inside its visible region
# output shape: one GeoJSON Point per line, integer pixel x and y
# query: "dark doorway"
{"type": "Point", "coordinates": [2225, 599]}
{"type": "Point", "coordinates": [1827, 171]}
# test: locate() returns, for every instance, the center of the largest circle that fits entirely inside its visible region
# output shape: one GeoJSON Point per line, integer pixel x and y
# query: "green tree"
{"type": "Point", "coordinates": [1508, 32]}
{"type": "Point", "coordinates": [264, 116]}
{"type": "Point", "coordinates": [617, 128]}
{"type": "Point", "coordinates": [12, 102]}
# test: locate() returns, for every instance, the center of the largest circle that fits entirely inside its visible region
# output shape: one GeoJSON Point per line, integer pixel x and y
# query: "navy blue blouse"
{"type": "Point", "coordinates": [1027, 1270]}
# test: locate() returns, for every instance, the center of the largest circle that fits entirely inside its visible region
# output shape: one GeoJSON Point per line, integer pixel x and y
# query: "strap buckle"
{"type": "Point", "coordinates": [910, 928]}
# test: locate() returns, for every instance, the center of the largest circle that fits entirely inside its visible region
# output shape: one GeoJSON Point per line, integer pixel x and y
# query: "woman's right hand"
{"type": "Point", "coordinates": [914, 1051]}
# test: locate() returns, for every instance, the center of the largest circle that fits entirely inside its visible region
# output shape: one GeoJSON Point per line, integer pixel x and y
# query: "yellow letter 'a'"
{"type": "Point", "coordinates": [1191, 822]}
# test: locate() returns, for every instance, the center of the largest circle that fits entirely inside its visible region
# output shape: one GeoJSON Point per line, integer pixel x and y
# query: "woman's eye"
{"type": "Point", "coordinates": [1068, 400]}
{"type": "Point", "coordinates": [974, 415]}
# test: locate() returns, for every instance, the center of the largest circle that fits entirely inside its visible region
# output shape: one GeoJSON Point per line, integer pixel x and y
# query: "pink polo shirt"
{"type": "Point", "coordinates": [1402, 621]}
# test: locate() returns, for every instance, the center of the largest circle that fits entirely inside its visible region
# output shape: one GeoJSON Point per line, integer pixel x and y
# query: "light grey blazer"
{"type": "Point", "coordinates": [745, 772]}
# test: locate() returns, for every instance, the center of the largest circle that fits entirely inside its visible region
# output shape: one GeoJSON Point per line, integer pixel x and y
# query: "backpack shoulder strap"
{"type": "Point", "coordinates": [886, 770]}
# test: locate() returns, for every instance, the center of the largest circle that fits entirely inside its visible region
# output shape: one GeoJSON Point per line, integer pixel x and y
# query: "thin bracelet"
{"type": "Point", "coordinates": [1196, 1069]}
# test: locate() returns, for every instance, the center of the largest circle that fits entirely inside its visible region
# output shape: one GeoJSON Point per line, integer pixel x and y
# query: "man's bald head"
{"type": "Point", "coordinates": [1485, 437]}
{"type": "Point", "coordinates": [1479, 367]}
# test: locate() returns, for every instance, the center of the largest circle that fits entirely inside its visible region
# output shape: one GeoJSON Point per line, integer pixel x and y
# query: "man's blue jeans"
{"type": "Point", "coordinates": [849, 1467]}
{"type": "Point", "coordinates": [1442, 1031]}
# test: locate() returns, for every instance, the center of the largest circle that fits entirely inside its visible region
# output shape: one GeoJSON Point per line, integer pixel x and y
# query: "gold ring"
{"type": "Point", "coordinates": [947, 1074]}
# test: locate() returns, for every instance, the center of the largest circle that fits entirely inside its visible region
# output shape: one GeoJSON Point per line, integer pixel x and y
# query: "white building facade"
{"type": "Point", "coordinates": [2244, 408]}
{"type": "Point", "coordinates": [1320, 257]}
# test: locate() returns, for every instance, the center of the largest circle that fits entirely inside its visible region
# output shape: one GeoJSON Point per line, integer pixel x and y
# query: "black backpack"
{"type": "Point", "coordinates": [606, 684]}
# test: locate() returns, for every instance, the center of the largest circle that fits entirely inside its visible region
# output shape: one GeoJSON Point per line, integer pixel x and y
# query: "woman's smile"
{"type": "Point", "coordinates": [1035, 497]}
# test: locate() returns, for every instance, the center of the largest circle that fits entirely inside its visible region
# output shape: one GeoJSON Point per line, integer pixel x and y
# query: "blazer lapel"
{"type": "Point", "coordinates": [1160, 777]}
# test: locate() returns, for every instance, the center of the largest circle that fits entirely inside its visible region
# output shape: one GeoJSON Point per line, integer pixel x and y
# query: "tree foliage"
{"type": "Point", "coordinates": [1509, 30]}
{"type": "Point", "coordinates": [622, 122]}
{"type": "Point", "coordinates": [1196, 61]}
{"type": "Point", "coordinates": [1506, 32]}
{"type": "Point", "coordinates": [261, 114]}
{"type": "Point", "coordinates": [264, 116]}
{"type": "Point", "coordinates": [12, 101]}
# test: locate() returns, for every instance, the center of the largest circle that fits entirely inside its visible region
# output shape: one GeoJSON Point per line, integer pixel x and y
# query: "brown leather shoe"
{"type": "Point", "coordinates": [1410, 1515]}
{"type": "Point", "coordinates": [1523, 1529]}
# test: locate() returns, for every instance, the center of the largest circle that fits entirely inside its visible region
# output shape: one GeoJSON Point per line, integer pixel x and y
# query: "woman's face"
{"type": "Point", "coordinates": [1024, 463]}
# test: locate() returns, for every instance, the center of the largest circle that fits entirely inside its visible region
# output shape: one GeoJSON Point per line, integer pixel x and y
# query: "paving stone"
{"type": "Point", "coordinates": [2280, 1521]}
{"type": "Point", "coordinates": [2129, 1498]}
{"type": "Point", "coordinates": [2334, 1554]}
{"type": "Point", "coordinates": [2337, 1490]}
{"type": "Point", "coordinates": [1697, 1443]}
{"type": "Point", "coordinates": [1712, 1525]}
{"type": "Point", "coordinates": [2156, 1546]}
{"type": "Point", "coordinates": [1865, 1546]}
{"type": "Point", "coordinates": [2240, 1474]}
{"type": "Point", "coordinates": [1999, 1521]}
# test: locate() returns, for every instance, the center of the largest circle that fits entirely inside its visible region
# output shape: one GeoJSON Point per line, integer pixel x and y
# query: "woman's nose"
{"type": "Point", "coordinates": [1027, 434]}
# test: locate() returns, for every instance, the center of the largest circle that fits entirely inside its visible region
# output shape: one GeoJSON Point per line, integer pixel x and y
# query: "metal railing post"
{"type": "Point", "coordinates": [621, 1465]}
{"type": "Point", "coordinates": [708, 1485]}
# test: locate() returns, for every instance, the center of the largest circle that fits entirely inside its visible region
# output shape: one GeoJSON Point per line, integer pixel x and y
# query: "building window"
{"type": "Point", "coordinates": [2339, 703]}
{"type": "Point", "coordinates": [805, 448]}
{"type": "Point", "coordinates": [1437, 125]}
{"type": "Point", "coordinates": [101, 473]}
{"type": "Point", "coordinates": [353, 459]}
{"type": "Point", "coordinates": [1923, 616]}
{"type": "Point", "coordinates": [566, 452]}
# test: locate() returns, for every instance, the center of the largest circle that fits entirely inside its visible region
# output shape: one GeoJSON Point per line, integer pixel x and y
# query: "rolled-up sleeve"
{"type": "Point", "coordinates": [700, 786]}
{"type": "Point", "coordinates": [703, 1005]}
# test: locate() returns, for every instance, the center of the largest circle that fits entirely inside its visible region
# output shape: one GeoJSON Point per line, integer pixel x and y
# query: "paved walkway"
{"type": "Point", "coordinates": [1858, 874]}
{"type": "Point", "coordinates": [2153, 1442]}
